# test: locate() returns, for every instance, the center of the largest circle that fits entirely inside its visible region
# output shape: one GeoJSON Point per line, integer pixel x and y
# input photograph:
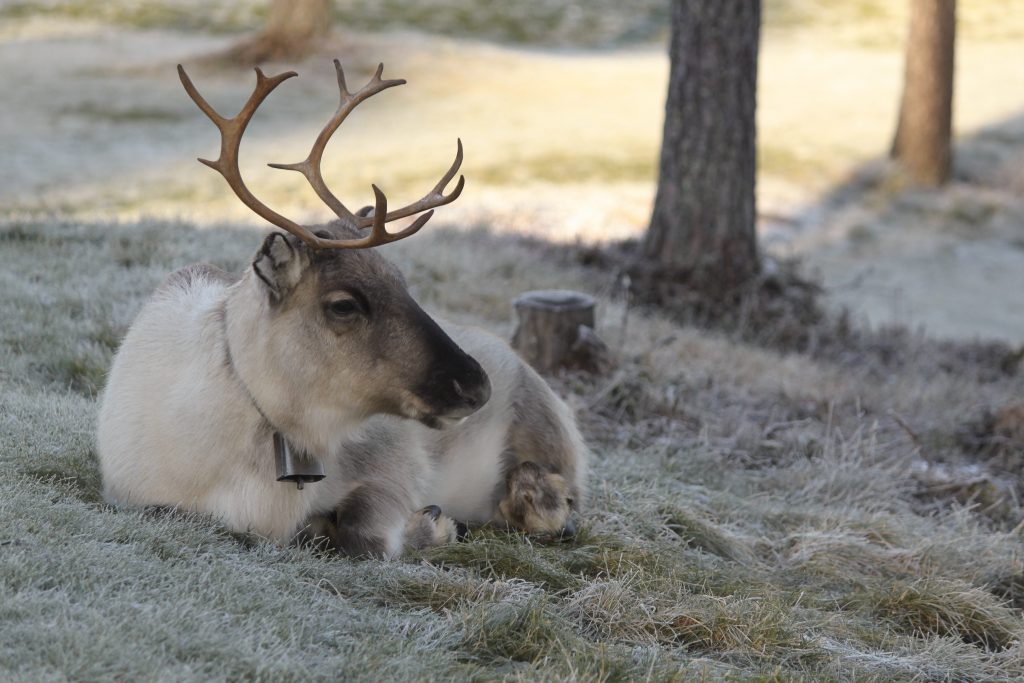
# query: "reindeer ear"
{"type": "Point", "coordinates": [278, 265]}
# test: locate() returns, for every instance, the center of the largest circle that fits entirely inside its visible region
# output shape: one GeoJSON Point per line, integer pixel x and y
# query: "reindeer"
{"type": "Point", "coordinates": [317, 360]}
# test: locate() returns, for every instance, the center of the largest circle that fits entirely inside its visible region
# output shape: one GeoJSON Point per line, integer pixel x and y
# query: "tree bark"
{"type": "Point", "coordinates": [704, 212]}
{"type": "Point", "coordinates": [923, 132]}
{"type": "Point", "coordinates": [293, 31]}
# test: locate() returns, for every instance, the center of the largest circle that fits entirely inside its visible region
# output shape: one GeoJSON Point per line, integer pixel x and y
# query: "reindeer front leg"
{"type": "Point", "coordinates": [374, 521]}
{"type": "Point", "coordinates": [429, 527]}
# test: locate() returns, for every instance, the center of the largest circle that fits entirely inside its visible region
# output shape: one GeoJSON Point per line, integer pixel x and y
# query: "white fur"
{"type": "Point", "coordinates": [176, 429]}
{"type": "Point", "coordinates": [178, 425]}
{"type": "Point", "coordinates": [468, 468]}
{"type": "Point", "coordinates": [470, 460]}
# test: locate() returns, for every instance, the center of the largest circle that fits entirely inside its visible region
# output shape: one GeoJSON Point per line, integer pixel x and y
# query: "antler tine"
{"type": "Point", "coordinates": [231, 131]}
{"type": "Point", "coordinates": [431, 200]}
{"type": "Point", "coordinates": [378, 233]}
{"type": "Point", "coordinates": [310, 166]}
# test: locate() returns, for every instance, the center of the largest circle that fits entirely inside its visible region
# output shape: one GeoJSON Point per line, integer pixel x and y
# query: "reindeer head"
{"type": "Point", "coordinates": [336, 317]}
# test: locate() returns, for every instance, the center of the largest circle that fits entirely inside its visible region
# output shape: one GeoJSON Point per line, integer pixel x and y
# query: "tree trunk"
{"type": "Point", "coordinates": [704, 212]}
{"type": "Point", "coordinates": [293, 31]}
{"type": "Point", "coordinates": [922, 140]}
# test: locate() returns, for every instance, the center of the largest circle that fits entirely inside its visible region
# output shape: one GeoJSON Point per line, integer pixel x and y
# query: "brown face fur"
{"type": "Point", "coordinates": [538, 501]}
{"type": "Point", "coordinates": [354, 334]}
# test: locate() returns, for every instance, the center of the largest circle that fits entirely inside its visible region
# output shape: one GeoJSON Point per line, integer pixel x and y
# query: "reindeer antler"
{"type": "Point", "coordinates": [231, 131]}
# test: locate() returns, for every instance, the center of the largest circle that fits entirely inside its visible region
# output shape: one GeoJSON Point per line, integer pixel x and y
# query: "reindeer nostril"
{"type": "Point", "coordinates": [570, 529]}
{"type": "Point", "coordinates": [432, 511]}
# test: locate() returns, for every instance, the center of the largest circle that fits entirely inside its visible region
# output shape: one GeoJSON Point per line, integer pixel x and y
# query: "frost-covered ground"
{"type": "Point", "coordinates": [753, 514]}
{"type": "Point", "coordinates": [847, 514]}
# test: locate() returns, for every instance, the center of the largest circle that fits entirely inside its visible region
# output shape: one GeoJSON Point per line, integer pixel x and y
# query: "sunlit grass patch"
{"type": "Point", "coordinates": [597, 23]}
{"type": "Point", "coordinates": [573, 167]}
{"type": "Point", "coordinates": [224, 16]}
{"type": "Point", "coordinates": [543, 22]}
{"type": "Point", "coordinates": [883, 23]}
{"type": "Point", "coordinates": [103, 113]}
{"type": "Point", "coordinates": [782, 161]}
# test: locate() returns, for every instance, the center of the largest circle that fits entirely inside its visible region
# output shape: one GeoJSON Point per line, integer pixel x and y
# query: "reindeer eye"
{"type": "Point", "coordinates": [343, 307]}
{"type": "Point", "coordinates": [570, 502]}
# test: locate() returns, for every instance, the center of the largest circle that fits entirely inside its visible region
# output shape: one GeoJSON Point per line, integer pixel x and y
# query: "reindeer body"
{"type": "Point", "coordinates": [319, 343]}
{"type": "Point", "coordinates": [181, 425]}
{"type": "Point", "coordinates": [524, 422]}
{"type": "Point", "coordinates": [176, 425]}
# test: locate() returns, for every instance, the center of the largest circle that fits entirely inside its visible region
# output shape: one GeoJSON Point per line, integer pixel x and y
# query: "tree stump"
{"type": "Point", "coordinates": [556, 330]}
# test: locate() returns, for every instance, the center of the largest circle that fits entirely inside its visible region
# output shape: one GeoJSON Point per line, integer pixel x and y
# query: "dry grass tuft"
{"type": "Point", "coordinates": [943, 607]}
{"type": "Point", "coordinates": [697, 532]}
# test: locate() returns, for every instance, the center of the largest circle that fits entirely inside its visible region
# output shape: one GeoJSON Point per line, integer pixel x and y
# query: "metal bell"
{"type": "Point", "coordinates": [296, 467]}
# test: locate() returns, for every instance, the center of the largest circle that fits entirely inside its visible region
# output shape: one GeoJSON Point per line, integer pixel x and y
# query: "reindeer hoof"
{"type": "Point", "coordinates": [538, 501]}
{"type": "Point", "coordinates": [428, 528]}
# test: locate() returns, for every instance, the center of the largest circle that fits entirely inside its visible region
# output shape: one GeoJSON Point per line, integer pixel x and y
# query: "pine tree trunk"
{"type": "Point", "coordinates": [293, 31]}
{"type": "Point", "coordinates": [704, 212]}
{"type": "Point", "coordinates": [923, 132]}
